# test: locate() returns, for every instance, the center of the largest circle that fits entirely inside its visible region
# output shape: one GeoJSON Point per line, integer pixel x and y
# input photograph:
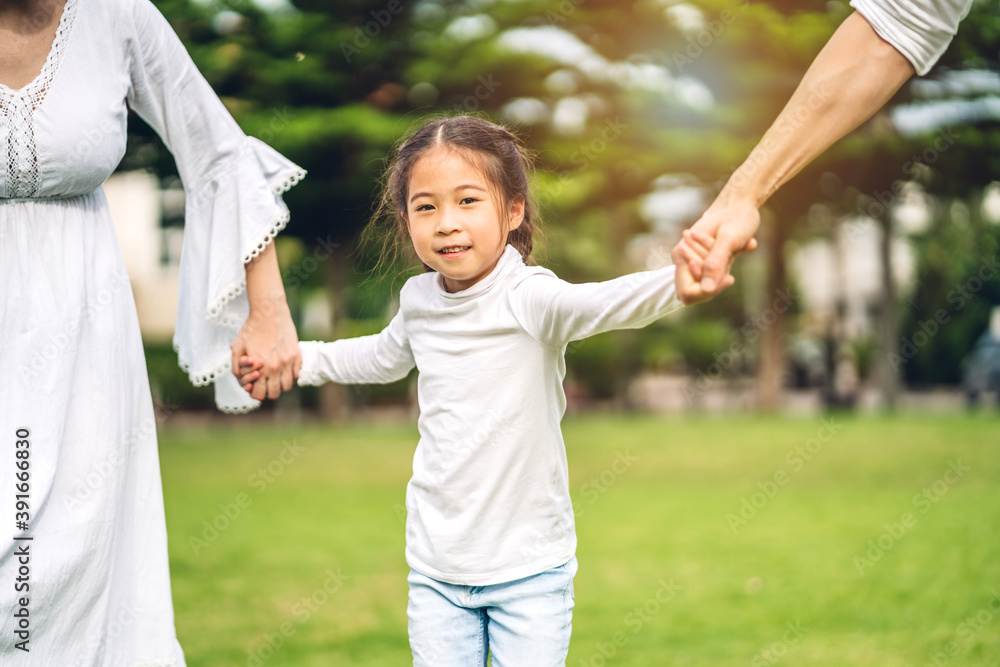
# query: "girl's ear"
{"type": "Point", "coordinates": [516, 214]}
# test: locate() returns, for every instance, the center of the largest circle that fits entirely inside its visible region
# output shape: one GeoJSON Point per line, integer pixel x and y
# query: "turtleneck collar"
{"type": "Point", "coordinates": [510, 259]}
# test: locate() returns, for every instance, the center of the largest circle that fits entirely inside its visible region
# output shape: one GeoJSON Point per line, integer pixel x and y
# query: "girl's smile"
{"type": "Point", "coordinates": [454, 218]}
{"type": "Point", "coordinates": [454, 251]}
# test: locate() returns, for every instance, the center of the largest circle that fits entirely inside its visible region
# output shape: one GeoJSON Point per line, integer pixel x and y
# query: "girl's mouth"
{"type": "Point", "coordinates": [452, 251]}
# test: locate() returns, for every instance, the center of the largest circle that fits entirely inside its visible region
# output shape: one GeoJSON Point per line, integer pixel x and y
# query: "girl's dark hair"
{"type": "Point", "coordinates": [490, 147]}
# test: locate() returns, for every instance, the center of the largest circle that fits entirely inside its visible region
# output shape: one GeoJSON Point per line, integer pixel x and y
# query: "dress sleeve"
{"type": "Point", "coordinates": [376, 359]}
{"type": "Point", "coordinates": [234, 208]}
{"type": "Point", "coordinates": [921, 30]}
{"type": "Point", "coordinates": [557, 312]}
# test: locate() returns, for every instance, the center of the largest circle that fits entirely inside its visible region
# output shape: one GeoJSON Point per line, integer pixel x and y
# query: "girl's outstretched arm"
{"type": "Point", "coordinates": [557, 312]}
{"type": "Point", "coordinates": [377, 359]}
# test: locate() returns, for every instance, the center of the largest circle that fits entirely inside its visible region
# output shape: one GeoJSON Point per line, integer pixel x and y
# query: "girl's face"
{"type": "Point", "coordinates": [454, 218]}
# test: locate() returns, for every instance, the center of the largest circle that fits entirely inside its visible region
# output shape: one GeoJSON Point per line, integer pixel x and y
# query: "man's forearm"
{"type": "Point", "coordinates": [852, 77]}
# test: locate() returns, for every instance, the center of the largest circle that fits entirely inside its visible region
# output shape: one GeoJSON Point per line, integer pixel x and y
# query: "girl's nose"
{"type": "Point", "coordinates": [448, 221]}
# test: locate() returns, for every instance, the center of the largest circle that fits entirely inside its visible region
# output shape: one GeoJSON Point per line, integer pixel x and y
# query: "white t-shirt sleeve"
{"type": "Point", "coordinates": [919, 29]}
{"type": "Point", "coordinates": [376, 359]}
{"type": "Point", "coordinates": [557, 312]}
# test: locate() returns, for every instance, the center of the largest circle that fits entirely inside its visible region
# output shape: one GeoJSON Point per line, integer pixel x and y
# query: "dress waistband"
{"type": "Point", "coordinates": [42, 200]}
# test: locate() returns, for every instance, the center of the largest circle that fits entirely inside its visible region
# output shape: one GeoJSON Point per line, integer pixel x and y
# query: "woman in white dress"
{"type": "Point", "coordinates": [83, 574]}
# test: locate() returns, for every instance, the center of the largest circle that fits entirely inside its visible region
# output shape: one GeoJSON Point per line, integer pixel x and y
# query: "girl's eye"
{"type": "Point", "coordinates": [469, 200]}
{"type": "Point", "coordinates": [424, 207]}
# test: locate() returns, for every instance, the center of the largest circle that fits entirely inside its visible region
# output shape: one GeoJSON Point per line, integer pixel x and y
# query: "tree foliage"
{"type": "Point", "coordinates": [610, 98]}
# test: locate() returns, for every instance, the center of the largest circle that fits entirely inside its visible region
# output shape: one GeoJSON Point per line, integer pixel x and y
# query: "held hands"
{"type": "Point", "coordinates": [689, 255]}
{"type": "Point", "coordinates": [706, 252]}
{"type": "Point", "coordinates": [270, 342]}
{"type": "Point", "coordinates": [249, 371]}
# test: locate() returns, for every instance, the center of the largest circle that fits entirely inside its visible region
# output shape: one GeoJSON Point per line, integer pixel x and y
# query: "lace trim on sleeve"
{"type": "Point", "coordinates": [216, 311]}
{"type": "Point", "coordinates": [221, 310]}
{"type": "Point", "coordinates": [207, 377]}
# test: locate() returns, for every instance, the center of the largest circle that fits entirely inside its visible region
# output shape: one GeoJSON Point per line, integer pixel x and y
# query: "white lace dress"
{"type": "Point", "coordinates": [93, 587]}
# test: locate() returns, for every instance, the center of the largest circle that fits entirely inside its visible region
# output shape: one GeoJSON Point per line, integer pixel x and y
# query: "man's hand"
{"type": "Point", "coordinates": [689, 255]}
{"type": "Point", "coordinates": [729, 228]}
{"type": "Point", "coordinates": [851, 78]}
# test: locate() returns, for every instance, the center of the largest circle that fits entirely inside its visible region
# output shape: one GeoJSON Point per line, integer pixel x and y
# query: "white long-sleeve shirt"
{"type": "Point", "coordinates": [489, 499]}
{"type": "Point", "coordinates": [919, 29]}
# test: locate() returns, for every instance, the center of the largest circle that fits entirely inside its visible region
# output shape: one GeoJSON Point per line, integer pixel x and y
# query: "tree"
{"type": "Point", "coordinates": [610, 99]}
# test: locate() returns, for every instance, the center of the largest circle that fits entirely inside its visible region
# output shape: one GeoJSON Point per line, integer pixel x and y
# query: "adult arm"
{"type": "Point", "coordinates": [229, 273]}
{"type": "Point", "coordinates": [869, 57]}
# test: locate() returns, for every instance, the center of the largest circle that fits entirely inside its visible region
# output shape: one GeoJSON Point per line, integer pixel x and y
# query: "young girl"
{"type": "Point", "coordinates": [489, 530]}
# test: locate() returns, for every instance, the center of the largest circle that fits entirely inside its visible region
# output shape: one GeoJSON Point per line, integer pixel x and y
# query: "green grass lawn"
{"type": "Point", "coordinates": [670, 572]}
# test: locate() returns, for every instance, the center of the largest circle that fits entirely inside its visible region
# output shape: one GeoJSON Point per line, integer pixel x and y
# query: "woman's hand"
{"type": "Point", "coordinates": [270, 338]}
{"type": "Point", "coordinates": [268, 334]}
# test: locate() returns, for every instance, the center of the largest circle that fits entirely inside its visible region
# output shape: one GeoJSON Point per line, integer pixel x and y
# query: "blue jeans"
{"type": "Point", "coordinates": [523, 623]}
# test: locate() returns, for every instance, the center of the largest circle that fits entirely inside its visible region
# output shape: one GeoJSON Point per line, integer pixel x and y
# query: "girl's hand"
{"type": "Point", "coordinates": [249, 371]}
{"type": "Point", "coordinates": [689, 255]}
